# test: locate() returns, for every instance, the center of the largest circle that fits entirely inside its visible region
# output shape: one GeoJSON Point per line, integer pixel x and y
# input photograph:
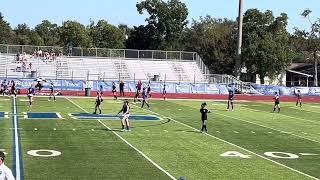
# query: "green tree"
{"type": "Point", "coordinates": [23, 33]}
{"type": "Point", "coordinates": [75, 33]}
{"type": "Point", "coordinates": [106, 35]}
{"type": "Point", "coordinates": [48, 32]}
{"type": "Point", "coordinates": [215, 41]}
{"type": "Point", "coordinates": [166, 21]}
{"type": "Point", "coordinates": [308, 42]}
{"type": "Point", "coordinates": [7, 35]}
{"type": "Point", "coordinates": [266, 48]}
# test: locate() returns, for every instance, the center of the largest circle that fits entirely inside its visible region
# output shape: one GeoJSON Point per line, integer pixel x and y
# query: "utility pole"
{"type": "Point", "coordinates": [237, 71]}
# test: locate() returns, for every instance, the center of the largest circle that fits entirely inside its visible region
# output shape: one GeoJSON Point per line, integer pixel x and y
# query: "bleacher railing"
{"type": "Point", "coordinates": [124, 54]}
{"type": "Point", "coordinates": [104, 52]}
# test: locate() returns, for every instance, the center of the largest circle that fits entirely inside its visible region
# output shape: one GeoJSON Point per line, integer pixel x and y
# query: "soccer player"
{"type": "Point", "coordinates": [5, 172]}
{"type": "Point", "coordinates": [114, 91]}
{"type": "Point", "coordinates": [101, 89]}
{"type": "Point", "coordinates": [276, 102]}
{"type": "Point", "coordinates": [52, 92]}
{"type": "Point", "coordinates": [13, 88]}
{"type": "Point", "coordinates": [125, 115]}
{"type": "Point", "coordinates": [230, 100]}
{"type": "Point", "coordinates": [98, 103]}
{"type": "Point", "coordinates": [204, 111]}
{"type": "Point", "coordinates": [299, 98]}
{"type": "Point", "coordinates": [136, 96]}
{"type": "Point", "coordinates": [149, 90]}
{"type": "Point", "coordinates": [164, 92]}
{"type": "Point", "coordinates": [121, 87]}
{"type": "Point", "coordinates": [145, 96]}
{"type": "Point", "coordinates": [30, 94]}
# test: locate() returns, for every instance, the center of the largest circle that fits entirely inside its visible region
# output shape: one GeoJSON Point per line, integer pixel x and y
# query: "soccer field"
{"type": "Point", "coordinates": [63, 140]}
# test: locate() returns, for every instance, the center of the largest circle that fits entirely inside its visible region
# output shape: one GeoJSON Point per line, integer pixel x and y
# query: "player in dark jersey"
{"type": "Point", "coordinates": [30, 94]}
{"type": "Point", "coordinates": [276, 102]}
{"type": "Point", "coordinates": [52, 92]}
{"type": "Point", "coordinates": [121, 87]}
{"type": "Point", "coordinates": [125, 115]}
{"type": "Point", "coordinates": [230, 100]}
{"type": "Point", "coordinates": [299, 98]}
{"type": "Point", "coordinates": [204, 111]}
{"type": "Point", "coordinates": [149, 90]}
{"type": "Point", "coordinates": [138, 88]}
{"type": "Point", "coordinates": [101, 89]}
{"type": "Point", "coordinates": [164, 92]}
{"type": "Point", "coordinates": [145, 97]}
{"type": "Point", "coordinates": [114, 91]}
{"type": "Point", "coordinates": [98, 103]}
{"type": "Point", "coordinates": [13, 88]}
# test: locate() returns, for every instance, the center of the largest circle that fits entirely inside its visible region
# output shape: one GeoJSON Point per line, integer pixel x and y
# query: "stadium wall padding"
{"type": "Point", "coordinates": [175, 88]}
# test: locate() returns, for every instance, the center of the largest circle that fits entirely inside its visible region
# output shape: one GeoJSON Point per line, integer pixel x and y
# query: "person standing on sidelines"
{"type": "Point", "coordinates": [5, 172]}
{"type": "Point", "coordinates": [299, 98]}
{"type": "Point", "coordinates": [276, 102]}
{"type": "Point", "coordinates": [121, 87]}
{"type": "Point", "coordinates": [204, 117]}
{"type": "Point", "coordinates": [125, 115]}
{"type": "Point", "coordinates": [52, 92]}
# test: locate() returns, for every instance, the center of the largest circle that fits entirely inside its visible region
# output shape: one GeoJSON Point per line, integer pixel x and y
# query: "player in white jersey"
{"type": "Point", "coordinates": [276, 102]}
{"type": "Point", "coordinates": [5, 172]}
{"type": "Point", "coordinates": [125, 115]}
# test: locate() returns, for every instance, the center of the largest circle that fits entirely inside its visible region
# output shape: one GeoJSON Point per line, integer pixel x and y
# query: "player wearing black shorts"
{"type": "Point", "coordinates": [276, 102]}
{"type": "Point", "coordinates": [114, 91]}
{"type": "Point", "coordinates": [164, 92]}
{"type": "Point", "coordinates": [98, 103]}
{"type": "Point", "coordinates": [121, 87]}
{"type": "Point", "coordinates": [299, 98]}
{"type": "Point", "coordinates": [52, 92]}
{"type": "Point", "coordinates": [13, 88]}
{"type": "Point", "coordinates": [230, 100]}
{"type": "Point", "coordinates": [204, 117]}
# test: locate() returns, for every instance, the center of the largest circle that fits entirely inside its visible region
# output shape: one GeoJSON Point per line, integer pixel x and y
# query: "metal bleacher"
{"type": "Point", "coordinates": [106, 64]}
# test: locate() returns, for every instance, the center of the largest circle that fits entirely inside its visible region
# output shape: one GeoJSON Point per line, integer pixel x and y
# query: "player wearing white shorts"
{"type": "Point", "coordinates": [125, 115]}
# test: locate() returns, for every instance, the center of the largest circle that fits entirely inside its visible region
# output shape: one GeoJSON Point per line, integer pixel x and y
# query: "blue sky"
{"type": "Point", "coordinates": [32, 12]}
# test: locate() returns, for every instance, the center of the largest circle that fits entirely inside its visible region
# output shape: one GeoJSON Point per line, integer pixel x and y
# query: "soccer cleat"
{"type": "Point", "coordinates": [123, 130]}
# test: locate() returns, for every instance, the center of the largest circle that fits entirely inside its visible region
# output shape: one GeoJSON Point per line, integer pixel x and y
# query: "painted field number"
{"type": "Point", "coordinates": [278, 155]}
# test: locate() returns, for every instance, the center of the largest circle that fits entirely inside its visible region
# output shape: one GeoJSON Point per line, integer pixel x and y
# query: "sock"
{"type": "Point", "coordinates": [128, 128]}
{"type": "Point", "coordinates": [122, 126]}
{"type": "Point", "coordinates": [278, 109]}
{"type": "Point", "coordinates": [205, 128]}
{"type": "Point", "coordinates": [202, 127]}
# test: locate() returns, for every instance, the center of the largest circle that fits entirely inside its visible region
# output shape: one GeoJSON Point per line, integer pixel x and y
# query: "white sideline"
{"type": "Point", "coordinates": [133, 147]}
{"type": "Point", "coordinates": [297, 171]}
{"type": "Point", "coordinates": [16, 139]}
{"type": "Point", "coordinates": [268, 127]}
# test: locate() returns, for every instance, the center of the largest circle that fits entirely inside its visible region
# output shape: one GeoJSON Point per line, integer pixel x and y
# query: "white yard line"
{"type": "Point", "coordinates": [297, 171]}
{"type": "Point", "coordinates": [16, 139]}
{"type": "Point", "coordinates": [133, 147]}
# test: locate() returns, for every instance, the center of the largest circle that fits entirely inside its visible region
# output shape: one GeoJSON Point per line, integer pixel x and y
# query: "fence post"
{"type": "Point", "coordinates": [180, 55]}
{"type": "Point", "coordinates": [96, 52]}
{"type": "Point", "coordinates": [138, 54]}
{"type": "Point", "coordinates": [152, 55]}
{"type": "Point", "coordinates": [81, 52]}
{"type": "Point", "coordinates": [166, 55]}
{"type": "Point", "coordinates": [7, 49]}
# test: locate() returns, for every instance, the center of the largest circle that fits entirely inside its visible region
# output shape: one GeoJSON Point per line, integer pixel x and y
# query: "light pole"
{"type": "Point", "coordinates": [237, 71]}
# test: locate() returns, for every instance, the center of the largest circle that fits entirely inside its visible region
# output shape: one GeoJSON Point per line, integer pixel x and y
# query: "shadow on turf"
{"type": "Point", "coordinates": [158, 124]}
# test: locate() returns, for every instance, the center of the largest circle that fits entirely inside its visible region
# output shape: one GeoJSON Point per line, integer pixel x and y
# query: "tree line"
{"type": "Point", "coordinates": [268, 48]}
